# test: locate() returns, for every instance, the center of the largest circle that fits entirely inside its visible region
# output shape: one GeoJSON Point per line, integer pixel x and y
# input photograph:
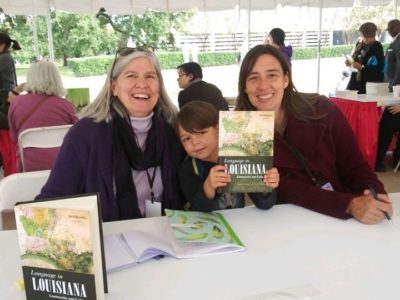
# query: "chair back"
{"type": "Point", "coordinates": [20, 187]}
{"type": "Point", "coordinates": [41, 137]}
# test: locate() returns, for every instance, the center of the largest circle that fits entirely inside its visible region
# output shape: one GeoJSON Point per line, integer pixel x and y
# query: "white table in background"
{"type": "Point", "coordinates": [288, 248]}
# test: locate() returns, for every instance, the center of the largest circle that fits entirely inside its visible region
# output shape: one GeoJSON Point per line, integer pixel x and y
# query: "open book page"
{"type": "Point", "coordinates": [197, 233]}
{"type": "Point", "coordinates": [118, 254]}
{"type": "Point", "coordinates": [129, 248]}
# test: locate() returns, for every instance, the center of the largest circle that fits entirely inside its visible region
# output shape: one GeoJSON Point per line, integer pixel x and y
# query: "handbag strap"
{"type": "Point", "coordinates": [33, 109]}
{"type": "Point", "coordinates": [300, 159]}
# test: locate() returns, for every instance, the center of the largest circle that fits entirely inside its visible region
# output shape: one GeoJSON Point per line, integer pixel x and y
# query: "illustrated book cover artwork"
{"type": "Point", "coordinates": [245, 147]}
{"type": "Point", "coordinates": [61, 248]}
{"type": "Point", "coordinates": [181, 234]}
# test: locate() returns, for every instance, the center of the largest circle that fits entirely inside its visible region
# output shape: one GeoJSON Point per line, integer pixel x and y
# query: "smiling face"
{"type": "Point", "coordinates": [265, 84]}
{"type": "Point", "coordinates": [137, 87]}
{"type": "Point", "coordinates": [201, 144]}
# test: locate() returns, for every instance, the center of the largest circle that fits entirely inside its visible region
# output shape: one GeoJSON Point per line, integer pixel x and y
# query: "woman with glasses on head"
{"type": "Point", "coordinates": [124, 146]}
{"type": "Point", "coordinates": [320, 165]}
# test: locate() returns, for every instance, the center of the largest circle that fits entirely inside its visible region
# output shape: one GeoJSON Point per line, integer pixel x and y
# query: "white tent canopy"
{"type": "Point", "coordinates": [124, 7]}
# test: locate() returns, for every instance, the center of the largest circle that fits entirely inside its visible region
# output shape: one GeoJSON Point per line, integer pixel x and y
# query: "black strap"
{"type": "Point", "coordinates": [300, 159]}
{"type": "Point", "coordinates": [151, 182]}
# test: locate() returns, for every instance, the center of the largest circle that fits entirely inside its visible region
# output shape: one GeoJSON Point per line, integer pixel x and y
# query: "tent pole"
{"type": "Point", "coordinates": [49, 33]}
{"type": "Point", "coordinates": [34, 29]}
{"type": "Point", "coordinates": [395, 9]}
{"type": "Point", "coordinates": [319, 44]}
{"type": "Point", "coordinates": [248, 26]}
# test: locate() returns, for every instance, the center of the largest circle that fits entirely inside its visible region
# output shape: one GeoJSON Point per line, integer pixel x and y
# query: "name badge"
{"type": "Point", "coordinates": [153, 209]}
{"type": "Point", "coordinates": [327, 186]}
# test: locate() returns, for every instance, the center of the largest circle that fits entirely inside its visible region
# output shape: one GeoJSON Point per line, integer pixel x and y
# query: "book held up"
{"type": "Point", "coordinates": [61, 248]}
{"type": "Point", "coordinates": [245, 147]}
{"type": "Point", "coordinates": [181, 234]}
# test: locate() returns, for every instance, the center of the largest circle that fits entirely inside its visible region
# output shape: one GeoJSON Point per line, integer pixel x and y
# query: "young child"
{"type": "Point", "coordinates": [199, 174]}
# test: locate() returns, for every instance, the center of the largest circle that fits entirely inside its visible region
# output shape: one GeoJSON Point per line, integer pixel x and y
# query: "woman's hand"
{"type": "Point", "coordinates": [271, 178]}
{"type": "Point", "coordinates": [394, 109]}
{"type": "Point", "coordinates": [368, 210]}
{"type": "Point", "coordinates": [217, 177]}
{"type": "Point", "coordinates": [357, 66]}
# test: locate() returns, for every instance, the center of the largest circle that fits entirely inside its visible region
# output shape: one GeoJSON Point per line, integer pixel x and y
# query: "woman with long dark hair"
{"type": "Point", "coordinates": [320, 164]}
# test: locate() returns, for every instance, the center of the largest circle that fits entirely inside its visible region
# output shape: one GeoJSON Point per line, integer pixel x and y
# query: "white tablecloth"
{"type": "Point", "coordinates": [289, 250]}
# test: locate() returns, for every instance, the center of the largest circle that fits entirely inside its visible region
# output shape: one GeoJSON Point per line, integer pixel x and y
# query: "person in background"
{"type": "Point", "coordinates": [390, 120]}
{"type": "Point", "coordinates": [368, 60]}
{"type": "Point", "coordinates": [124, 146]}
{"type": "Point", "coordinates": [320, 165]}
{"type": "Point", "coordinates": [8, 84]}
{"type": "Point", "coordinates": [42, 106]}
{"type": "Point", "coordinates": [276, 38]}
{"type": "Point", "coordinates": [197, 128]}
{"type": "Point", "coordinates": [190, 77]}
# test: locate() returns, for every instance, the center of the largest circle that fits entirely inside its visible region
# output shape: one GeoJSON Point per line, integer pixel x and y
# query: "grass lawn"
{"type": "Point", "coordinates": [65, 71]}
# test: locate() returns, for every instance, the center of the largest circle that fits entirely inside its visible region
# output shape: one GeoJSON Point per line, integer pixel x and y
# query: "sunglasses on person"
{"type": "Point", "coordinates": [129, 50]}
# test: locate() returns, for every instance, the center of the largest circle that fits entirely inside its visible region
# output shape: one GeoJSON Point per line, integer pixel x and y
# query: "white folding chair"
{"type": "Point", "coordinates": [20, 187]}
{"type": "Point", "coordinates": [396, 167]}
{"type": "Point", "coordinates": [41, 137]}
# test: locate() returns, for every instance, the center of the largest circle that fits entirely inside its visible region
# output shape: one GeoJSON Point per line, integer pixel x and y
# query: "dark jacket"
{"type": "Point", "coordinates": [204, 91]}
{"type": "Point", "coordinates": [85, 165]}
{"type": "Point", "coordinates": [330, 150]}
{"type": "Point", "coordinates": [393, 63]}
{"type": "Point", "coordinates": [372, 58]}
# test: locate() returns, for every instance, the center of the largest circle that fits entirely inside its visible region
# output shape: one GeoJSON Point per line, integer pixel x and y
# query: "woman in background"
{"type": "Point", "coordinates": [42, 106]}
{"type": "Point", "coordinates": [276, 38]}
{"type": "Point", "coordinates": [8, 87]}
{"type": "Point", "coordinates": [368, 60]}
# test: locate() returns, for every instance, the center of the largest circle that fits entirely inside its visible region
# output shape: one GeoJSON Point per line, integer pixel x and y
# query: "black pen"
{"type": "Point", "coordinates": [375, 195]}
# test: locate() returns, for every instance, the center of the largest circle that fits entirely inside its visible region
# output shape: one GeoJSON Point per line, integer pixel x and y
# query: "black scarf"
{"type": "Point", "coordinates": [160, 151]}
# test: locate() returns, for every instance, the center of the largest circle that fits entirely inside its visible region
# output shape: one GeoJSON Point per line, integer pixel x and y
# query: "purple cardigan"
{"type": "Point", "coordinates": [84, 165]}
{"type": "Point", "coordinates": [332, 153]}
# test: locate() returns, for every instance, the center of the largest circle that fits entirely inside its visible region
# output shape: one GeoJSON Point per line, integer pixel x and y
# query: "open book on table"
{"type": "Point", "coordinates": [181, 234]}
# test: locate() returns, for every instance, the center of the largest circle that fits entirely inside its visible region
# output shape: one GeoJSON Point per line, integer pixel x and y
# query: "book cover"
{"type": "Point", "coordinates": [61, 248]}
{"type": "Point", "coordinates": [245, 147]}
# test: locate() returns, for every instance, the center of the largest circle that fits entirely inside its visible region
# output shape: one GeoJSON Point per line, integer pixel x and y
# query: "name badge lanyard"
{"type": "Point", "coordinates": [151, 182]}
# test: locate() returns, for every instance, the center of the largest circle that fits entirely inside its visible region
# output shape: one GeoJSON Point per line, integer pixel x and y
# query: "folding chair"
{"type": "Point", "coordinates": [18, 187]}
{"type": "Point", "coordinates": [41, 137]}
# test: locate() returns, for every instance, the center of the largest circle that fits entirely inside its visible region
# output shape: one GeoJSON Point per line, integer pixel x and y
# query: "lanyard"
{"type": "Point", "coordinates": [151, 182]}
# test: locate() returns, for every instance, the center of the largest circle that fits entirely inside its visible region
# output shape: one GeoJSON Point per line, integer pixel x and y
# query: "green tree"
{"type": "Point", "coordinates": [80, 35]}
{"type": "Point", "coordinates": [19, 28]}
{"type": "Point", "coordinates": [380, 15]}
{"type": "Point", "coordinates": [152, 28]}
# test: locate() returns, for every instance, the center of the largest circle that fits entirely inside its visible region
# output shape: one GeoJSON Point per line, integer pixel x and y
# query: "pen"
{"type": "Point", "coordinates": [375, 195]}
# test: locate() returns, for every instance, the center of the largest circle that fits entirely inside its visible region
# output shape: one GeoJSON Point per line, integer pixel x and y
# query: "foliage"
{"type": "Point", "coordinates": [73, 36]}
{"type": "Point", "coordinates": [170, 60]}
{"type": "Point", "coordinates": [380, 15]}
{"type": "Point", "coordinates": [90, 66]}
{"type": "Point", "coordinates": [207, 59]}
{"type": "Point", "coordinates": [153, 28]}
